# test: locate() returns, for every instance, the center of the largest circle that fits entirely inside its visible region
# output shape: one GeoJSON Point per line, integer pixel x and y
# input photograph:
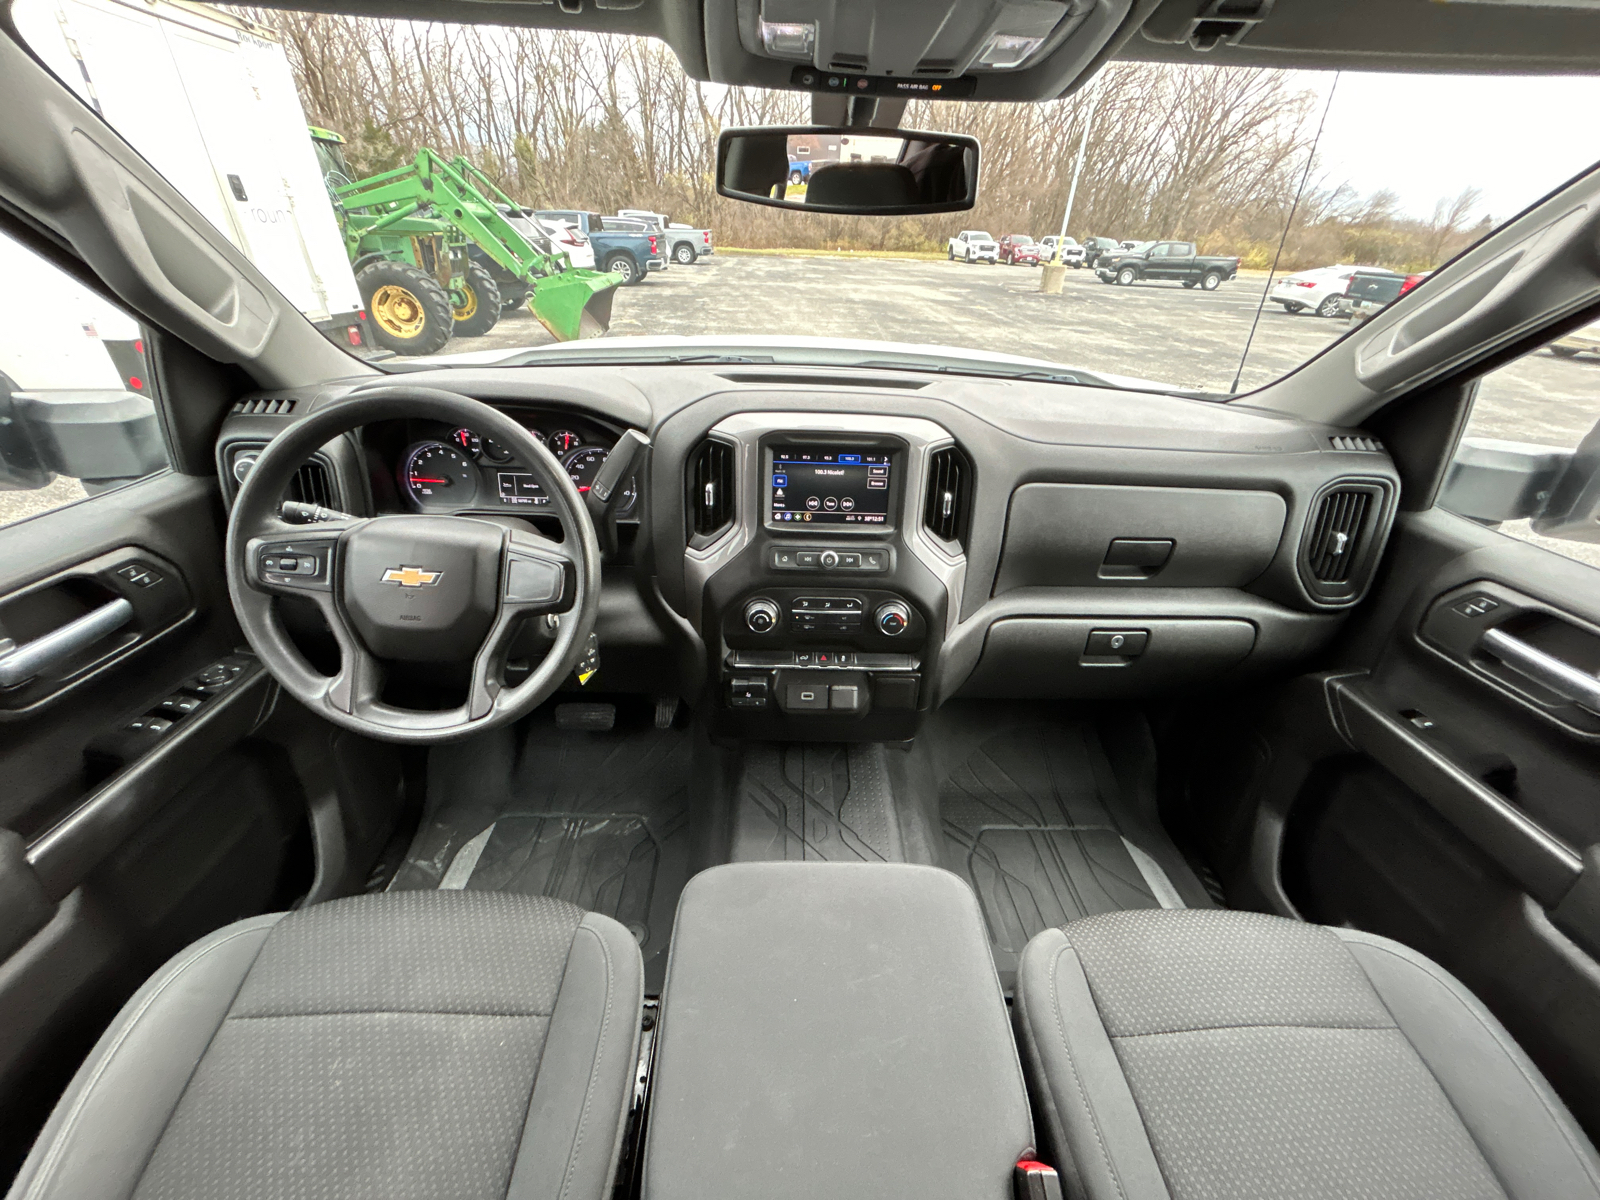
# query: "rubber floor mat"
{"type": "Point", "coordinates": [596, 818]}
{"type": "Point", "coordinates": [816, 802]}
{"type": "Point", "coordinates": [1030, 815]}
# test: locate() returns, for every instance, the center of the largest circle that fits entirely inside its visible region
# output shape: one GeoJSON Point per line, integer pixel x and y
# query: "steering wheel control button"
{"type": "Point", "coordinates": [892, 618]}
{"type": "Point", "coordinates": [761, 616]}
{"type": "Point", "coordinates": [1116, 643]}
{"type": "Point", "coordinates": [295, 564]}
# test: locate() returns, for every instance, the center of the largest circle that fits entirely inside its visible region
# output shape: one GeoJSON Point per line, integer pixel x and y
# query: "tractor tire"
{"type": "Point", "coordinates": [1329, 307]}
{"type": "Point", "coordinates": [513, 296]}
{"type": "Point", "coordinates": [410, 311]}
{"type": "Point", "coordinates": [623, 265]}
{"type": "Point", "coordinates": [1210, 281]}
{"type": "Point", "coordinates": [683, 254]}
{"type": "Point", "coordinates": [475, 302]}
{"type": "Point", "coordinates": [1126, 276]}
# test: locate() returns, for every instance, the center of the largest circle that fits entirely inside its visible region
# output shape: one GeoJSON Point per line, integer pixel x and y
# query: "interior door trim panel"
{"type": "Point", "coordinates": [1541, 862]}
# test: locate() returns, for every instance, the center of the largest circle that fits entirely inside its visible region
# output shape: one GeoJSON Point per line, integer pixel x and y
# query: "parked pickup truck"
{"type": "Point", "coordinates": [632, 253]}
{"type": "Point", "coordinates": [1175, 261]}
{"type": "Point", "coordinates": [973, 245]}
{"type": "Point", "coordinates": [685, 243]}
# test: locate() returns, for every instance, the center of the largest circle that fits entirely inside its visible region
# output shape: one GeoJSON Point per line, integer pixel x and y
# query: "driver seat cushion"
{"type": "Point", "coordinates": [407, 1045]}
{"type": "Point", "coordinates": [1213, 1055]}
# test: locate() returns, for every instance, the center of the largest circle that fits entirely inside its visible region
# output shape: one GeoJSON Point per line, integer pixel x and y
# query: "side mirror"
{"type": "Point", "coordinates": [1558, 490]}
{"type": "Point", "coordinates": [862, 171]}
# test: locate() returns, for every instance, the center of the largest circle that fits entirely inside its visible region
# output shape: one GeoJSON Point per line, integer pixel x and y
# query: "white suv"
{"type": "Point", "coordinates": [973, 245]}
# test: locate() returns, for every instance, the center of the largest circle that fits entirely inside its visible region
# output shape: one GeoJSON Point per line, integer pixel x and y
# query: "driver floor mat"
{"type": "Point", "coordinates": [808, 801]}
{"type": "Point", "coordinates": [1035, 817]}
{"type": "Point", "coordinates": [596, 818]}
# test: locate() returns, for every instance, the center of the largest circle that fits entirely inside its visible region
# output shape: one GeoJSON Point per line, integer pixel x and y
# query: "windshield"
{"type": "Point", "coordinates": [1261, 191]}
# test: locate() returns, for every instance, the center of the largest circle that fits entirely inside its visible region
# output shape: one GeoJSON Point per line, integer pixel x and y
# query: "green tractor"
{"type": "Point", "coordinates": [427, 244]}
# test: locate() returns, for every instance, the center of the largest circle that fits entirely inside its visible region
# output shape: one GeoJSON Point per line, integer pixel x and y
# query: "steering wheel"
{"type": "Point", "coordinates": [428, 589]}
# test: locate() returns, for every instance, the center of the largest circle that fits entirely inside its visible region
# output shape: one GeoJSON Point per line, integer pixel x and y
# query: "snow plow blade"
{"type": "Point", "coordinates": [575, 304]}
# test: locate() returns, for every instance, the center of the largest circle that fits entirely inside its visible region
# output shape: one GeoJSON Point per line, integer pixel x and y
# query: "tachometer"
{"type": "Point", "coordinates": [436, 476]}
{"type": "Point", "coordinates": [585, 465]}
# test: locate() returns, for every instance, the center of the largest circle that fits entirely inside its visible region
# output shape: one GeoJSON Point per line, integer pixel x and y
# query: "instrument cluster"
{"type": "Point", "coordinates": [460, 470]}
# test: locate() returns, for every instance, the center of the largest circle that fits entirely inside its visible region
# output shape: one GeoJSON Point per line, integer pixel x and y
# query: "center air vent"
{"type": "Point", "coordinates": [949, 498]}
{"type": "Point", "coordinates": [711, 488]}
{"type": "Point", "coordinates": [1342, 540]}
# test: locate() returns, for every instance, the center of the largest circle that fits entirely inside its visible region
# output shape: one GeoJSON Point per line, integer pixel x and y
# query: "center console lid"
{"type": "Point", "coordinates": [837, 1030]}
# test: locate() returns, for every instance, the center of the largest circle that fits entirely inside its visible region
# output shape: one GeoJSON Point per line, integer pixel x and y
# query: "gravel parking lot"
{"type": "Point", "coordinates": [1163, 332]}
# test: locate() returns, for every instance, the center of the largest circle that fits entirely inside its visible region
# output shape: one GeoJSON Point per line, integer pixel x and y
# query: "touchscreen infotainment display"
{"type": "Point", "coordinates": [830, 485]}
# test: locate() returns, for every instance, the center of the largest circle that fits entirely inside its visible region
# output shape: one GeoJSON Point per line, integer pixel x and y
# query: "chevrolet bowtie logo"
{"type": "Point", "coordinates": [412, 576]}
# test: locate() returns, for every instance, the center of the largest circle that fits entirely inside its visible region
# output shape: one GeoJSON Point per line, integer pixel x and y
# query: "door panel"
{"type": "Point", "coordinates": [122, 838]}
{"type": "Point", "coordinates": [1460, 812]}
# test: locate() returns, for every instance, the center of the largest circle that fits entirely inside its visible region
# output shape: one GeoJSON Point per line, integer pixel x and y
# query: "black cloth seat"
{"type": "Point", "coordinates": [1204, 1055]}
{"type": "Point", "coordinates": [411, 1045]}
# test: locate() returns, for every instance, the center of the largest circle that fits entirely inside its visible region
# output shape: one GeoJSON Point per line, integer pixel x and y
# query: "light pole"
{"type": "Point", "coordinates": [1077, 169]}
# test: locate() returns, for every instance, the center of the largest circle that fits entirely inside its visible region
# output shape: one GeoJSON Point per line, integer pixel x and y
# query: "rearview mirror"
{"type": "Point", "coordinates": [869, 172]}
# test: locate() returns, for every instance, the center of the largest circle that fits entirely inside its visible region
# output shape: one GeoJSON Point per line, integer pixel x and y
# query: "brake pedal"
{"type": "Point", "coordinates": [587, 718]}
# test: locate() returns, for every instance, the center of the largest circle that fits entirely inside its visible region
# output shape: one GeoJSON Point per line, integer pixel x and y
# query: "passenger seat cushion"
{"type": "Point", "coordinates": [415, 1044]}
{"type": "Point", "coordinates": [1199, 1054]}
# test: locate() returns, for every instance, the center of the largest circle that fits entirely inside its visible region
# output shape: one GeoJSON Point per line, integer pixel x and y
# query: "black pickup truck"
{"type": "Point", "coordinates": [1166, 260]}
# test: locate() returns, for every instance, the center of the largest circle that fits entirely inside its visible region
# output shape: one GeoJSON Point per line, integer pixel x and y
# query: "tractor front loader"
{"type": "Point", "coordinates": [417, 223]}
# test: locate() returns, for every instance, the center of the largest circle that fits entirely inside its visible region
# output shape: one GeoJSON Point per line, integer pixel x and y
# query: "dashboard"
{"type": "Point", "coordinates": [829, 554]}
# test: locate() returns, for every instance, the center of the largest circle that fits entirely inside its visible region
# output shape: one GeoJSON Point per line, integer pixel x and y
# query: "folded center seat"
{"type": "Point", "coordinates": [833, 1030]}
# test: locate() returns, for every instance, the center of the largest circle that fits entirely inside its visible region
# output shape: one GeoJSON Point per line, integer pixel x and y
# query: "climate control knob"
{"type": "Point", "coordinates": [761, 616]}
{"type": "Point", "coordinates": [892, 618]}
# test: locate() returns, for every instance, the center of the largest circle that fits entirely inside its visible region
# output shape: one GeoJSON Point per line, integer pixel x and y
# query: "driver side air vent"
{"type": "Point", "coordinates": [711, 488]}
{"type": "Point", "coordinates": [949, 498]}
{"type": "Point", "coordinates": [312, 485]}
{"type": "Point", "coordinates": [263, 407]}
{"type": "Point", "coordinates": [1342, 540]}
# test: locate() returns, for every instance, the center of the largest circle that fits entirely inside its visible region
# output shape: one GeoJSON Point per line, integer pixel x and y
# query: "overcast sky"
{"type": "Point", "coordinates": [1428, 136]}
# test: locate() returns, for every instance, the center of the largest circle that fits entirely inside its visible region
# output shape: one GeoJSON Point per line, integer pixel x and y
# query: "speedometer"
{"type": "Point", "coordinates": [585, 465]}
{"type": "Point", "coordinates": [436, 477]}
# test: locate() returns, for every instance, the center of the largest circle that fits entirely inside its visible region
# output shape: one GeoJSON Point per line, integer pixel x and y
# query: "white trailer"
{"type": "Point", "coordinates": [208, 97]}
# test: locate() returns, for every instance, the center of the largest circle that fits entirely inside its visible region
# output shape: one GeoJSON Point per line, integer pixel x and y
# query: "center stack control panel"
{"type": "Point", "coordinates": [824, 621]}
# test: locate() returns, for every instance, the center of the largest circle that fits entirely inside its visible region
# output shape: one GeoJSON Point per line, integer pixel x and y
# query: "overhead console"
{"type": "Point", "coordinates": [948, 49]}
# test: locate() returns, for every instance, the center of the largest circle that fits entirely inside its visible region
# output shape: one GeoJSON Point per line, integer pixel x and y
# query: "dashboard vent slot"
{"type": "Point", "coordinates": [312, 485]}
{"type": "Point", "coordinates": [264, 407]}
{"type": "Point", "coordinates": [1338, 535]}
{"type": "Point", "coordinates": [711, 488]}
{"type": "Point", "coordinates": [949, 495]}
{"type": "Point", "coordinates": [1370, 445]}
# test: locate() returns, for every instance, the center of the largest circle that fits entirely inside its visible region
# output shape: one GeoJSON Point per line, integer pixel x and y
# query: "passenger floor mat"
{"type": "Point", "coordinates": [808, 801]}
{"type": "Point", "coordinates": [596, 818]}
{"type": "Point", "coordinates": [1035, 817]}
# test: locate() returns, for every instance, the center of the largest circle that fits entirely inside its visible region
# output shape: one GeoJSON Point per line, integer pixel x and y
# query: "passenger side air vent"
{"type": "Point", "coordinates": [711, 489]}
{"type": "Point", "coordinates": [264, 407]}
{"type": "Point", "coordinates": [313, 485]}
{"type": "Point", "coordinates": [949, 496]}
{"type": "Point", "coordinates": [1343, 539]}
{"type": "Point", "coordinates": [1356, 442]}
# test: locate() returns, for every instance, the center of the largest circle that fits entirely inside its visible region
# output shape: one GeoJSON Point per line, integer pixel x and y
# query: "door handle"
{"type": "Point", "coordinates": [1562, 678]}
{"type": "Point", "coordinates": [21, 663]}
